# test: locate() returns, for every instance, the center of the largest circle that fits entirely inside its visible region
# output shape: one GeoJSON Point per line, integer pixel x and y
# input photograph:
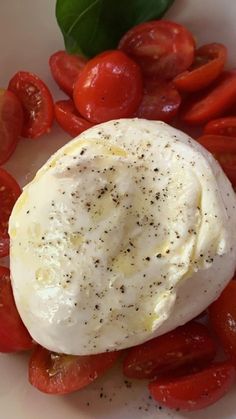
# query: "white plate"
{"type": "Point", "coordinates": [29, 34]}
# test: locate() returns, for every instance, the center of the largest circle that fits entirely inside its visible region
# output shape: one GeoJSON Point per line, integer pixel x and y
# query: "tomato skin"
{"type": "Point", "coordinates": [224, 150]}
{"type": "Point", "coordinates": [9, 192]}
{"type": "Point", "coordinates": [11, 122]}
{"type": "Point", "coordinates": [194, 391]}
{"type": "Point", "coordinates": [190, 344]}
{"type": "Point", "coordinates": [65, 69]}
{"type": "Point", "coordinates": [109, 87]}
{"type": "Point", "coordinates": [160, 101]}
{"type": "Point", "coordinates": [222, 314]}
{"type": "Point", "coordinates": [222, 126]}
{"type": "Point", "coordinates": [161, 48]}
{"type": "Point", "coordinates": [62, 374]}
{"type": "Point", "coordinates": [69, 119]}
{"type": "Point", "coordinates": [209, 63]}
{"type": "Point", "coordinates": [13, 334]}
{"type": "Point", "coordinates": [213, 103]}
{"type": "Point", "coordinates": [37, 103]}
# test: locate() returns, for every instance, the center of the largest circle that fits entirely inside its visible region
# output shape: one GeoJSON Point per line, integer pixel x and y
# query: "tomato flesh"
{"type": "Point", "coordinates": [160, 101]}
{"type": "Point", "coordinates": [9, 192]}
{"type": "Point", "coordinates": [194, 391]}
{"type": "Point", "coordinates": [69, 119]}
{"type": "Point", "coordinates": [109, 87]}
{"type": "Point", "coordinates": [37, 103]}
{"type": "Point", "coordinates": [190, 344]}
{"type": "Point", "coordinates": [13, 334]}
{"type": "Point", "coordinates": [11, 122]}
{"type": "Point", "coordinates": [222, 314]}
{"type": "Point", "coordinates": [65, 69]}
{"type": "Point", "coordinates": [213, 103]}
{"type": "Point", "coordinates": [61, 374]}
{"type": "Point", "coordinates": [161, 48]}
{"type": "Point", "coordinates": [209, 63]}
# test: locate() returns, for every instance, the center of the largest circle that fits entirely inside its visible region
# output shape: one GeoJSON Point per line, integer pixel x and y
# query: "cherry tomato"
{"type": "Point", "coordinates": [11, 122]}
{"type": "Point", "coordinates": [160, 101]}
{"type": "Point", "coordinates": [194, 391]}
{"type": "Point", "coordinates": [13, 334]}
{"type": "Point", "coordinates": [69, 119]}
{"type": "Point", "coordinates": [214, 103]}
{"type": "Point", "coordinates": [190, 344]}
{"type": "Point", "coordinates": [209, 63]}
{"type": "Point", "coordinates": [9, 192]}
{"type": "Point", "coordinates": [161, 48]}
{"type": "Point", "coordinates": [65, 69]}
{"type": "Point", "coordinates": [222, 315]}
{"type": "Point", "coordinates": [36, 101]}
{"type": "Point", "coordinates": [222, 126]}
{"type": "Point", "coordinates": [61, 374]}
{"type": "Point", "coordinates": [109, 87]}
{"type": "Point", "coordinates": [224, 150]}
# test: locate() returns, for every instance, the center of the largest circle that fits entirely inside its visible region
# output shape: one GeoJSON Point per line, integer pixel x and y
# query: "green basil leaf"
{"type": "Point", "coordinates": [92, 26]}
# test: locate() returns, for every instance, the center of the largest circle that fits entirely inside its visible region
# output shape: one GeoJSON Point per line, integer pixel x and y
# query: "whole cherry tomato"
{"type": "Point", "coordinates": [61, 374]}
{"type": "Point", "coordinates": [208, 65]}
{"type": "Point", "coordinates": [109, 87]}
{"type": "Point", "coordinates": [11, 122]}
{"type": "Point", "coordinates": [194, 391]}
{"type": "Point", "coordinates": [9, 192]}
{"type": "Point", "coordinates": [65, 69]}
{"type": "Point", "coordinates": [161, 48]}
{"type": "Point", "coordinates": [68, 118]}
{"type": "Point", "coordinates": [36, 101]}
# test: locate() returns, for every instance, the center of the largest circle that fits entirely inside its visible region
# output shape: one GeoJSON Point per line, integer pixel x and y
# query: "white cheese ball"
{"type": "Point", "coordinates": [126, 232]}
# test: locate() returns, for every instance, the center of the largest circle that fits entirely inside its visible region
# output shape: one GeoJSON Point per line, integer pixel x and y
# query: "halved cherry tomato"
{"type": "Point", "coordinates": [194, 391]}
{"type": "Point", "coordinates": [209, 63]}
{"type": "Point", "coordinates": [222, 315]}
{"type": "Point", "coordinates": [109, 87]}
{"type": "Point", "coordinates": [214, 103]}
{"type": "Point", "coordinates": [65, 69]}
{"type": "Point", "coordinates": [61, 374]}
{"type": "Point", "coordinates": [13, 334]}
{"type": "Point", "coordinates": [161, 48]}
{"type": "Point", "coordinates": [11, 122]}
{"type": "Point", "coordinates": [160, 101]}
{"type": "Point", "coordinates": [36, 101]}
{"type": "Point", "coordinates": [68, 118]}
{"type": "Point", "coordinates": [222, 126]}
{"type": "Point", "coordinates": [190, 344]}
{"type": "Point", "coordinates": [9, 192]}
{"type": "Point", "coordinates": [224, 150]}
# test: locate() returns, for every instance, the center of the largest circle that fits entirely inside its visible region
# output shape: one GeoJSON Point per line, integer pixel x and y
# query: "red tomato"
{"type": "Point", "coordinates": [222, 126]}
{"type": "Point", "coordinates": [224, 150]}
{"type": "Point", "coordinates": [209, 63]}
{"type": "Point", "coordinates": [36, 101]}
{"type": "Point", "coordinates": [61, 374]}
{"type": "Point", "coordinates": [187, 345]}
{"type": "Point", "coordinates": [160, 101]}
{"type": "Point", "coordinates": [69, 119]}
{"type": "Point", "coordinates": [9, 192]}
{"type": "Point", "coordinates": [222, 315]}
{"type": "Point", "coordinates": [194, 391]}
{"type": "Point", "coordinates": [11, 122]}
{"type": "Point", "coordinates": [213, 103]}
{"type": "Point", "coordinates": [13, 334]}
{"type": "Point", "coordinates": [161, 48]}
{"type": "Point", "coordinates": [109, 87]}
{"type": "Point", "coordinates": [65, 69]}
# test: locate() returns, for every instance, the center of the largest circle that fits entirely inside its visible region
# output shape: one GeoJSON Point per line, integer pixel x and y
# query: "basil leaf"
{"type": "Point", "coordinates": [92, 26]}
